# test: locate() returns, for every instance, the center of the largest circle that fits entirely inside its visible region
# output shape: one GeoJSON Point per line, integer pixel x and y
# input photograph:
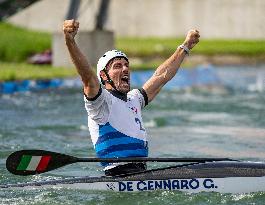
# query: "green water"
{"type": "Point", "coordinates": [180, 123]}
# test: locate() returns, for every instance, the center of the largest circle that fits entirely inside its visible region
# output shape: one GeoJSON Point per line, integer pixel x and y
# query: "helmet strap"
{"type": "Point", "coordinates": [109, 80]}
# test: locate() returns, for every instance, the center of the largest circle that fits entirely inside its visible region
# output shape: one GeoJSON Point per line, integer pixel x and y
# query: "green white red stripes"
{"type": "Point", "coordinates": [33, 163]}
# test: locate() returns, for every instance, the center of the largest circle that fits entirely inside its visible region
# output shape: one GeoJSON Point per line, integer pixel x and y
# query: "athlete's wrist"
{"type": "Point", "coordinates": [185, 48]}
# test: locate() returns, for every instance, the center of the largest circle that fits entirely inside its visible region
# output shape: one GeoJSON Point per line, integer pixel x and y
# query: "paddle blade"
{"type": "Point", "coordinates": [30, 162]}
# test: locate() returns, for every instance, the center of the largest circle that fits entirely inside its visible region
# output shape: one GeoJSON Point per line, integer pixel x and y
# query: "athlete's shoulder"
{"type": "Point", "coordinates": [102, 93]}
{"type": "Point", "coordinates": [133, 92]}
{"type": "Point", "coordinates": [140, 95]}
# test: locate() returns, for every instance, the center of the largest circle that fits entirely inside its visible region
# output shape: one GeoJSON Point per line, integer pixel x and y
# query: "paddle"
{"type": "Point", "coordinates": [30, 162]}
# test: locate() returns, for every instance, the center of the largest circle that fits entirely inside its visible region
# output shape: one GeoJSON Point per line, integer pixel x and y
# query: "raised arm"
{"type": "Point", "coordinates": [89, 78]}
{"type": "Point", "coordinates": [167, 70]}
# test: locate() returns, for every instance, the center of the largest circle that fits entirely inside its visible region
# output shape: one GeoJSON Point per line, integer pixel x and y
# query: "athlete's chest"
{"type": "Point", "coordinates": [129, 108]}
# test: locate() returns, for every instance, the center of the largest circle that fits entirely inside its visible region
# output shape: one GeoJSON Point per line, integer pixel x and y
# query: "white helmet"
{"type": "Point", "coordinates": [109, 55]}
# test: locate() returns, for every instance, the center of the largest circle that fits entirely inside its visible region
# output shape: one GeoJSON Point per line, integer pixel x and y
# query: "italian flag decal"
{"type": "Point", "coordinates": [33, 163]}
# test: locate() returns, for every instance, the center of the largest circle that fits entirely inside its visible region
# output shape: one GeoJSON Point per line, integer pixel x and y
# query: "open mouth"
{"type": "Point", "coordinates": [125, 79]}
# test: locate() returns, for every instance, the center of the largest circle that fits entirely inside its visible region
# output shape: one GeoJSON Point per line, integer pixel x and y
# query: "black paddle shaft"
{"type": "Point", "coordinates": [150, 159]}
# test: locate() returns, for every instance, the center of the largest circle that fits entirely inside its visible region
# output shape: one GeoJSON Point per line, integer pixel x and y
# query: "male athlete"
{"type": "Point", "coordinates": [114, 111]}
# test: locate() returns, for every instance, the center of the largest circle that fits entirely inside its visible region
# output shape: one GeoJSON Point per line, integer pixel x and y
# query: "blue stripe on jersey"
{"type": "Point", "coordinates": [110, 136]}
{"type": "Point", "coordinates": [118, 141]}
{"type": "Point", "coordinates": [106, 129]}
{"type": "Point", "coordinates": [112, 144]}
{"type": "Point", "coordinates": [120, 147]}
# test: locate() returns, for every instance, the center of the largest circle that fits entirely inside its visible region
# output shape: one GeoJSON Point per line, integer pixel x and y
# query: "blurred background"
{"type": "Point", "coordinates": [214, 107]}
{"type": "Point", "coordinates": [232, 33]}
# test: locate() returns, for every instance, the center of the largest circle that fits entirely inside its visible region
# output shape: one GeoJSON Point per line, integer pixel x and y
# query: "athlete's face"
{"type": "Point", "coordinates": [119, 73]}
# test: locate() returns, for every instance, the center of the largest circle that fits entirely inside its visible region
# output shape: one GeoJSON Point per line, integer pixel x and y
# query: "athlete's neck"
{"type": "Point", "coordinates": [118, 94]}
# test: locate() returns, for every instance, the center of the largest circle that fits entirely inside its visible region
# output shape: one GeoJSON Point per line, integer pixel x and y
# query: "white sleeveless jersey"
{"type": "Point", "coordinates": [116, 126]}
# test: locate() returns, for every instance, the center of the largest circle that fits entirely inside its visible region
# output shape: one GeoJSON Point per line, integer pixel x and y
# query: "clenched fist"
{"type": "Point", "coordinates": [192, 38]}
{"type": "Point", "coordinates": [70, 28]}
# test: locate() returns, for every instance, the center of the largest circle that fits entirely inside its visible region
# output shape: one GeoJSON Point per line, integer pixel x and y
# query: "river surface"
{"type": "Point", "coordinates": [192, 122]}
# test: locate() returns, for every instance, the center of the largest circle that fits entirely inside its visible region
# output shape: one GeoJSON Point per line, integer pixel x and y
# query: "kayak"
{"type": "Point", "coordinates": [220, 176]}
